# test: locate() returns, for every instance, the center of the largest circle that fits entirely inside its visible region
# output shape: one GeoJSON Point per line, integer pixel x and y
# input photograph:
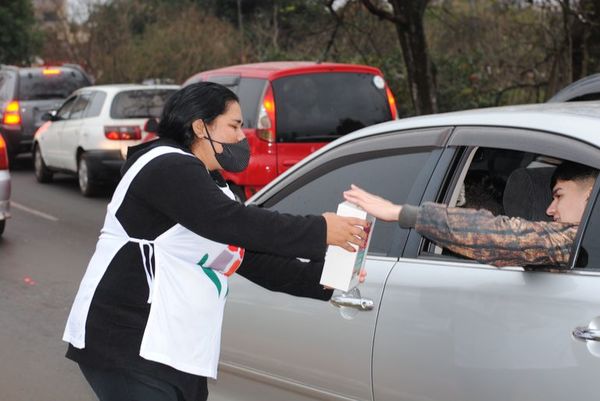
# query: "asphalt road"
{"type": "Point", "coordinates": [43, 255]}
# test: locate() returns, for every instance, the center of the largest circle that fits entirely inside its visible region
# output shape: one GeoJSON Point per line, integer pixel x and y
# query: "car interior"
{"type": "Point", "coordinates": [508, 182]}
{"type": "Point", "coordinates": [504, 182]}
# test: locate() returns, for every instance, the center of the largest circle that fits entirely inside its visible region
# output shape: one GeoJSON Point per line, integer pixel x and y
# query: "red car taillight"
{"type": "Point", "coordinates": [391, 102]}
{"type": "Point", "coordinates": [265, 128]}
{"type": "Point", "coordinates": [12, 114]}
{"type": "Point", "coordinates": [123, 133]}
{"type": "Point", "coordinates": [3, 155]}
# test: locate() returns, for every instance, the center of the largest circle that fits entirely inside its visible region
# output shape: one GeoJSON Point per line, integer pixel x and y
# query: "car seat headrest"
{"type": "Point", "coordinates": [528, 194]}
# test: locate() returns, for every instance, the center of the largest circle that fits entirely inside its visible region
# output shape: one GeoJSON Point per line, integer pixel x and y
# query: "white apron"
{"type": "Point", "coordinates": [187, 286]}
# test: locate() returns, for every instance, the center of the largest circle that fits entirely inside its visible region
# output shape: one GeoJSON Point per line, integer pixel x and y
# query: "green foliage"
{"type": "Point", "coordinates": [485, 52]}
{"type": "Point", "coordinates": [130, 41]}
{"type": "Point", "coordinates": [489, 54]}
{"type": "Point", "coordinates": [19, 40]}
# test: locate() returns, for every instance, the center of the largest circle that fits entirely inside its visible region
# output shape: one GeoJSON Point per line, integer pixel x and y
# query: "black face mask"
{"type": "Point", "coordinates": [235, 156]}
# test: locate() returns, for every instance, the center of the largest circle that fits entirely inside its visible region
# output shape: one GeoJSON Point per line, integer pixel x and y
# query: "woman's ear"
{"type": "Point", "coordinates": [198, 127]}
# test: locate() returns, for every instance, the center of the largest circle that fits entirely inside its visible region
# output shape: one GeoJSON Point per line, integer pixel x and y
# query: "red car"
{"type": "Point", "coordinates": [292, 109]}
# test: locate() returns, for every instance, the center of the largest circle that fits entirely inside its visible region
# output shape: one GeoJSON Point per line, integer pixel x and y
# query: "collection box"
{"type": "Point", "coordinates": [341, 268]}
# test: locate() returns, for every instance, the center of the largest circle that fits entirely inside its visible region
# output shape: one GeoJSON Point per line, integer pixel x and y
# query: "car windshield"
{"type": "Point", "coordinates": [140, 103]}
{"type": "Point", "coordinates": [322, 107]}
{"type": "Point", "coordinates": [35, 85]}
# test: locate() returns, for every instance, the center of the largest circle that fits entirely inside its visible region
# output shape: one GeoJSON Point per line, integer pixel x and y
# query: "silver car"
{"type": "Point", "coordinates": [4, 186]}
{"type": "Point", "coordinates": [427, 324]}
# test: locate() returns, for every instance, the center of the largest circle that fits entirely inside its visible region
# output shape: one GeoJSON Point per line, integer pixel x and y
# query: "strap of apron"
{"type": "Point", "coordinates": [118, 197]}
{"type": "Point", "coordinates": [126, 180]}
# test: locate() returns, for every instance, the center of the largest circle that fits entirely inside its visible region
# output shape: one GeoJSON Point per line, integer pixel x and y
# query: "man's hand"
{"type": "Point", "coordinates": [343, 231]}
{"type": "Point", "coordinates": [375, 205]}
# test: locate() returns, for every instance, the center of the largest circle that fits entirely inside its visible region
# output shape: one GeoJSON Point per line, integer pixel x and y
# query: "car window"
{"type": "Point", "coordinates": [2, 90]}
{"type": "Point", "coordinates": [139, 103]}
{"type": "Point", "coordinates": [588, 254]}
{"type": "Point", "coordinates": [37, 85]}
{"type": "Point", "coordinates": [96, 103]}
{"type": "Point", "coordinates": [79, 106]}
{"type": "Point", "coordinates": [65, 109]}
{"type": "Point", "coordinates": [505, 182]}
{"type": "Point", "coordinates": [229, 81]}
{"type": "Point", "coordinates": [6, 86]}
{"type": "Point", "coordinates": [250, 91]}
{"type": "Point", "coordinates": [392, 176]}
{"type": "Point", "coordinates": [586, 97]}
{"type": "Point", "coordinates": [325, 106]}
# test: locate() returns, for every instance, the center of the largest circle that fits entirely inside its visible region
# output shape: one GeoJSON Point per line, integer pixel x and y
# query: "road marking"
{"type": "Point", "coordinates": [33, 211]}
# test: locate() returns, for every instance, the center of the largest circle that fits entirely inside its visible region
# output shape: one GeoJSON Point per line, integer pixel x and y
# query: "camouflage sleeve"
{"type": "Point", "coordinates": [496, 240]}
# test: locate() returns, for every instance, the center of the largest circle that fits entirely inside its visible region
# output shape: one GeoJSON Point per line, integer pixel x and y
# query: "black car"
{"type": "Point", "coordinates": [26, 93]}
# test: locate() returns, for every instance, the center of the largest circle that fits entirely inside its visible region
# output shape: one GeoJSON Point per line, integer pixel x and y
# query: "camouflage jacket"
{"type": "Point", "coordinates": [496, 240]}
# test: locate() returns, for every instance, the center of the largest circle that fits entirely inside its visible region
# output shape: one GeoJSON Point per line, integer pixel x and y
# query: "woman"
{"type": "Point", "coordinates": [146, 322]}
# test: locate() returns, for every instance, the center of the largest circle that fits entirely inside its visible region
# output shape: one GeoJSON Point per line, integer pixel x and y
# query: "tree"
{"type": "Point", "coordinates": [576, 40]}
{"type": "Point", "coordinates": [19, 40]}
{"type": "Point", "coordinates": [408, 16]}
{"type": "Point", "coordinates": [491, 53]}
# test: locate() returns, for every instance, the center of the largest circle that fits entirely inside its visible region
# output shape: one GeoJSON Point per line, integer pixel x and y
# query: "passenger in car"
{"type": "Point", "coordinates": [481, 191]}
{"type": "Point", "coordinates": [497, 240]}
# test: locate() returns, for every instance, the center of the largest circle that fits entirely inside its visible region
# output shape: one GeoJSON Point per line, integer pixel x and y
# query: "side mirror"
{"type": "Point", "coordinates": [51, 116]}
{"type": "Point", "coordinates": [151, 125]}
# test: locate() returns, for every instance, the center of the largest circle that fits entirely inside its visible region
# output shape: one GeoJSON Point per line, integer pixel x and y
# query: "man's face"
{"type": "Point", "coordinates": [569, 200]}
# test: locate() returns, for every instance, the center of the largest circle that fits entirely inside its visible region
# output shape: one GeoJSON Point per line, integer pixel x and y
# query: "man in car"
{"type": "Point", "coordinates": [497, 240]}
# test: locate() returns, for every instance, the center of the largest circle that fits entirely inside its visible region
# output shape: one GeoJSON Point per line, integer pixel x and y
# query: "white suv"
{"type": "Point", "coordinates": [90, 133]}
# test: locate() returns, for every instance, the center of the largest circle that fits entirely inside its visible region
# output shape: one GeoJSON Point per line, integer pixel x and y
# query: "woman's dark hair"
{"type": "Point", "coordinates": [202, 100]}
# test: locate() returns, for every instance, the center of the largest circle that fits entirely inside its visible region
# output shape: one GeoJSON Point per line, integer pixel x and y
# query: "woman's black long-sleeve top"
{"type": "Point", "coordinates": [175, 188]}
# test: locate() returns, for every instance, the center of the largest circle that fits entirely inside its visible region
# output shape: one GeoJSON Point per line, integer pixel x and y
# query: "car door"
{"type": "Point", "coordinates": [456, 330]}
{"type": "Point", "coordinates": [280, 347]}
{"type": "Point", "coordinates": [50, 141]}
{"type": "Point", "coordinates": [71, 131]}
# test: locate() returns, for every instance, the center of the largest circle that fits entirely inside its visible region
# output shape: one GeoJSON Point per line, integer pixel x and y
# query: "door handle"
{"type": "Point", "coordinates": [586, 334]}
{"type": "Point", "coordinates": [363, 304]}
{"type": "Point", "coordinates": [290, 163]}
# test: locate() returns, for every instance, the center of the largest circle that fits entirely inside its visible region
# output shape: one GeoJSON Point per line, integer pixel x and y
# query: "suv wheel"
{"type": "Point", "coordinates": [42, 172]}
{"type": "Point", "coordinates": [86, 184]}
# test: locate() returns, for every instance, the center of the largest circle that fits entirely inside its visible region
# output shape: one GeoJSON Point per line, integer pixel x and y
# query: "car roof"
{"type": "Point", "coordinates": [276, 69]}
{"type": "Point", "coordinates": [579, 120]}
{"type": "Point", "coordinates": [584, 86]}
{"type": "Point", "coordinates": [114, 88]}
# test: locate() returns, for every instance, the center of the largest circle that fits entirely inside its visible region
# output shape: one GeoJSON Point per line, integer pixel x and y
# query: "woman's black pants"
{"type": "Point", "coordinates": [128, 385]}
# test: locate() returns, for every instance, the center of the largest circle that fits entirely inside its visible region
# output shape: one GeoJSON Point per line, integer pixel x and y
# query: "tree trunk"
{"type": "Point", "coordinates": [407, 16]}
{"type": "Point", "coordinates": [241, 28]}
{"type": "Point", "coordinates": [416, 57]}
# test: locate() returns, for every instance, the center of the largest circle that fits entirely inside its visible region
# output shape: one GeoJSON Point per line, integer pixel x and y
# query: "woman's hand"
{"type": "Point", "coordinates": [343, 231]}
{"type": "Point", "coordinates": [374, 205]}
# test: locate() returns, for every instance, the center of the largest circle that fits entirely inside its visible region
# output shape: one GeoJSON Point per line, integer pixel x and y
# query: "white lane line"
{"type": "Point", "coordinates": [33, 211]}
